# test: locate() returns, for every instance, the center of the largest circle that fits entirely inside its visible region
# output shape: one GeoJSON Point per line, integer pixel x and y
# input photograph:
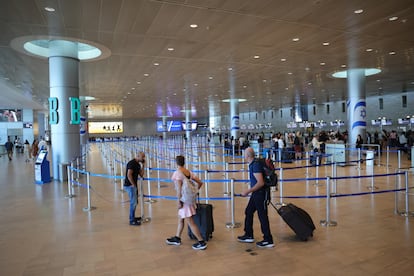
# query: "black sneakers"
{"type": "Point", "coordinates": [135, 223]}
{"type": "Point", "coordinates": [265, 244]}
{"type": "Point", "coordinates": [245, 238]}
{"type": "Point", "coordinates": [173, 240]}
{"type": "Point", "coordinates": [201, 245]}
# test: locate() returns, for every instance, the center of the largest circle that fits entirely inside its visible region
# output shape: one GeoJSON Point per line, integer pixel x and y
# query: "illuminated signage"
{"type": "Point", "coordinates": [105, 127]}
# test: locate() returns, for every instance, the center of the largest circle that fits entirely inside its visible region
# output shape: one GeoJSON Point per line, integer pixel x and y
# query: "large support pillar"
{"type": "Point", "coordinates": [64, 85]}
{"type": "Point", "coordinates": [164, 127]}
{"type": "Point", "coordinates": [234, 118]}
{"type": "Point", "coordinates": [188, 124]}
{"type": "Point", "coordinates": [356, 105]}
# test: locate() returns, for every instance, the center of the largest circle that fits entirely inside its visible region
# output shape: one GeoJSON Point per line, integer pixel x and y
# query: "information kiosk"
{"type": "Point", "coordinates": [42, 169]}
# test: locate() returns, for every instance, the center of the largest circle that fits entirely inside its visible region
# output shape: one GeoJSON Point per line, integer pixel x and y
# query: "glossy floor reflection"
{"type": "Point", "coordinates": [44, 233]}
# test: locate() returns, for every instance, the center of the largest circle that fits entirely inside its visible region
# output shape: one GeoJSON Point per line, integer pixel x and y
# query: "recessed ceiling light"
{"type": "Point", "coordinates": [393, 18]}
{"type": "Point", "coordinates": [283, 59]}
{"type": "Point", "coordinates": [170, 49]}
{"type": "Point", "coordinates": [133, 88]}
{"type": "Point", "coordinates": [290, 73]}
{"type": "Point", "coordinates": [156, 63]}
{"type": "Point", "coordinates": [193, 26]}
{"type": "Point", "coordinates": [146, 75]}
{"type": "Point", "coordinates": [230, 69]}
{"type": "Point", "coordinates": [49, 9]}
{"type": "Point", "coordinates": [138, 82]}
{"type": "Point", "coordinates": [392, 53]}
{"type": "Point", "coordinates": [256, 57]}
{"type": "Point", "coordinates": [359, 11]}
{"type": "Point", "coordinates": [343, 65]}
{"type": "Point", "coordinates": [368, 72]}
{"type": "Point", "coordinates": [244, 86]}
{"type": "Point", "coordinates": [210, 78]}
{"type": "Point", "coordinates": [296, 39]}
{"type": "Point", "coordinates": [322, 63]}
{"type": "Point", "coordinates": [369, 50]}
{"type": "Point", "coordinates": [326, 44]}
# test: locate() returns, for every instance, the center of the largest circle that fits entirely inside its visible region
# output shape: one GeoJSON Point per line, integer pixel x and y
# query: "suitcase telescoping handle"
{"type": "Point", "coordinates": [277, 205]}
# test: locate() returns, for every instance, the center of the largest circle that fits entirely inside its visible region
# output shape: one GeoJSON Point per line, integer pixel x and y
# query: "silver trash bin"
{"type": "Point", "coordinates": [63, 172]}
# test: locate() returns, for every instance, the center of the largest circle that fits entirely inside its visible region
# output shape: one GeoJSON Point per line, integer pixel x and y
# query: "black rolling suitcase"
{"type": "Point", "coordinates": [297, 219]}
{"type": "Point", "coordinates": [204, 220]}
{"type": "Point", "coordinates": [287, 155]}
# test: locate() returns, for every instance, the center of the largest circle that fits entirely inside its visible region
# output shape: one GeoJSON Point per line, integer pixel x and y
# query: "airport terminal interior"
{"type": "Point", "coordinates": [45, 231]}
{"type": "Point", "coordinates": [94, 82]}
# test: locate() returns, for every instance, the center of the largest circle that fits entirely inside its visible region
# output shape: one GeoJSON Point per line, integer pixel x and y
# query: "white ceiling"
{"type": "Point", "coordinates": [230, 33]}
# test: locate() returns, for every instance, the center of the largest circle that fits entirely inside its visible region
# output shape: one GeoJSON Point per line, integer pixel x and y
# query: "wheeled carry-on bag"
{"type": "Point", "coordinates": [204, 220]}
{"type": "Point", "coordinates": [297, 219]}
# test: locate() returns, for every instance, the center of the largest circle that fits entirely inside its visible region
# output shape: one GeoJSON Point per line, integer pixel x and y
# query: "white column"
{"type": "Point", "coordinates": [64, 84]}
{"type": "Point", "coordinates": [188, 124]}
{"type": "Point", "coordinates": [356, 105]}
{"type": "Point", "coordinates": [234, 118]}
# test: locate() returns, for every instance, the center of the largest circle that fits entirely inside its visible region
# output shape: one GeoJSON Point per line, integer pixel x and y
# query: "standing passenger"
{"type": "Point", "coordinates": [186, 211]}
{"type": "Point", "coordinates": [134, 168]}
{"type": "Point", "coordinates": [27, 150]}
{"type": "Point", "coordinates": [260, 195]}
{"type": "Point", "coordinates": [9, 148]}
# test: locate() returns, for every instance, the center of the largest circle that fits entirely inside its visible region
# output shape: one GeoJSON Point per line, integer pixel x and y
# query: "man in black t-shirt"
{"type": "Point", "coordinates": [134, 168]}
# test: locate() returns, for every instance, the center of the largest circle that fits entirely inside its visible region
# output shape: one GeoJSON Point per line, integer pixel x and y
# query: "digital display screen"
{"type": "Point", "coordinates": [41, 156]}
{"type": "Point", "coordinates": [172, 126]}
{"type": "Point", "coordinates": [105, 127]}
{"type": "Point", "coordinates": [376, 122]}
{"type": "Point", "coordinates": [10, 115]}
{"type": "Point", "coordinates": [404, 121]}
{"type": "Point", "coordinates": [190, 125]}
{"type": "Point", "coordinates": [386, 122]}
{"type": "Point", "coordinates": [27, 125]}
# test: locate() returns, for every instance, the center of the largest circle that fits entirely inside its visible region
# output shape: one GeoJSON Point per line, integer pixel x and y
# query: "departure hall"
{"type": "Point", "coordinates": [321, 90]}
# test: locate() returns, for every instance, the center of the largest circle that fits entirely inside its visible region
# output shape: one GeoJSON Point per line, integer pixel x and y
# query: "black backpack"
{"type": "Point", "coordinates": [269, 173]}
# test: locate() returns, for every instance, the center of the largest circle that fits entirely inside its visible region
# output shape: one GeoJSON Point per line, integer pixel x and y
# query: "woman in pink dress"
{"type": "Point", "coordinates": [186, 211]}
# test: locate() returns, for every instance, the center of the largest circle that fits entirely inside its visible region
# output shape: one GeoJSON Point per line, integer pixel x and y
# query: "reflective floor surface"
{"type": "Point", "coordinates": [44, 233]}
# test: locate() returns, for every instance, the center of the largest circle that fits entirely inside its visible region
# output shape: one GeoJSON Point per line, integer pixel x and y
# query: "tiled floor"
{"type": "Point", "coordinates": [44, 233]}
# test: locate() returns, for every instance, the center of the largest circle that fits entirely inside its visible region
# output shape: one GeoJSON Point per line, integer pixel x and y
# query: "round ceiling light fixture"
{"type": "Point", "coordinates": [368, 72]}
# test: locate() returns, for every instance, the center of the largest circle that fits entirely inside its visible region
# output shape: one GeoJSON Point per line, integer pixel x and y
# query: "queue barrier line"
{"type": "Point", "coordinates": [328, 195]}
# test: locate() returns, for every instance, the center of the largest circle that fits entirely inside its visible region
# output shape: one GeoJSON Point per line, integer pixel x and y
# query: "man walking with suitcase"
{"type": "Point", "coordinates": [260, 194]}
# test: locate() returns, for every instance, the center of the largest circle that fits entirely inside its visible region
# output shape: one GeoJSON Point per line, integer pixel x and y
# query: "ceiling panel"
{"type": "Point", "coordinates": [230, 33]}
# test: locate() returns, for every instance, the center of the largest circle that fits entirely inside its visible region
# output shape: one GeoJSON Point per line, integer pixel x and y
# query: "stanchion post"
{"type": "Point", "coordinates": [226, 174]}
{"type": "Point", "coordinates": [70, 194]}
{"type": "Point", "coordinates": [388, 155]}
{"type": "Point", "coordinates": [141, 201]}
{"type": "Point", "coordinates": [317, 169]}
{"type": "Point", "coordinates": [328, 221]}
{"type": "Point", "coordinates": [399, 159]}
{"type": "Point", "coordinates": [121, 184]}
{"type": "Point", "coordinates": [149, 200]}
{"type": "Point", "coordinates": [88, 188]}
{"type": "Point", "coordinates": [334, 172]}
{"type": "Point", "coordinates": [281, 186]}
{"type": "Point", "coordinates": [232, 224]}
{"type": "Point", "coordinates": [206, 189]}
